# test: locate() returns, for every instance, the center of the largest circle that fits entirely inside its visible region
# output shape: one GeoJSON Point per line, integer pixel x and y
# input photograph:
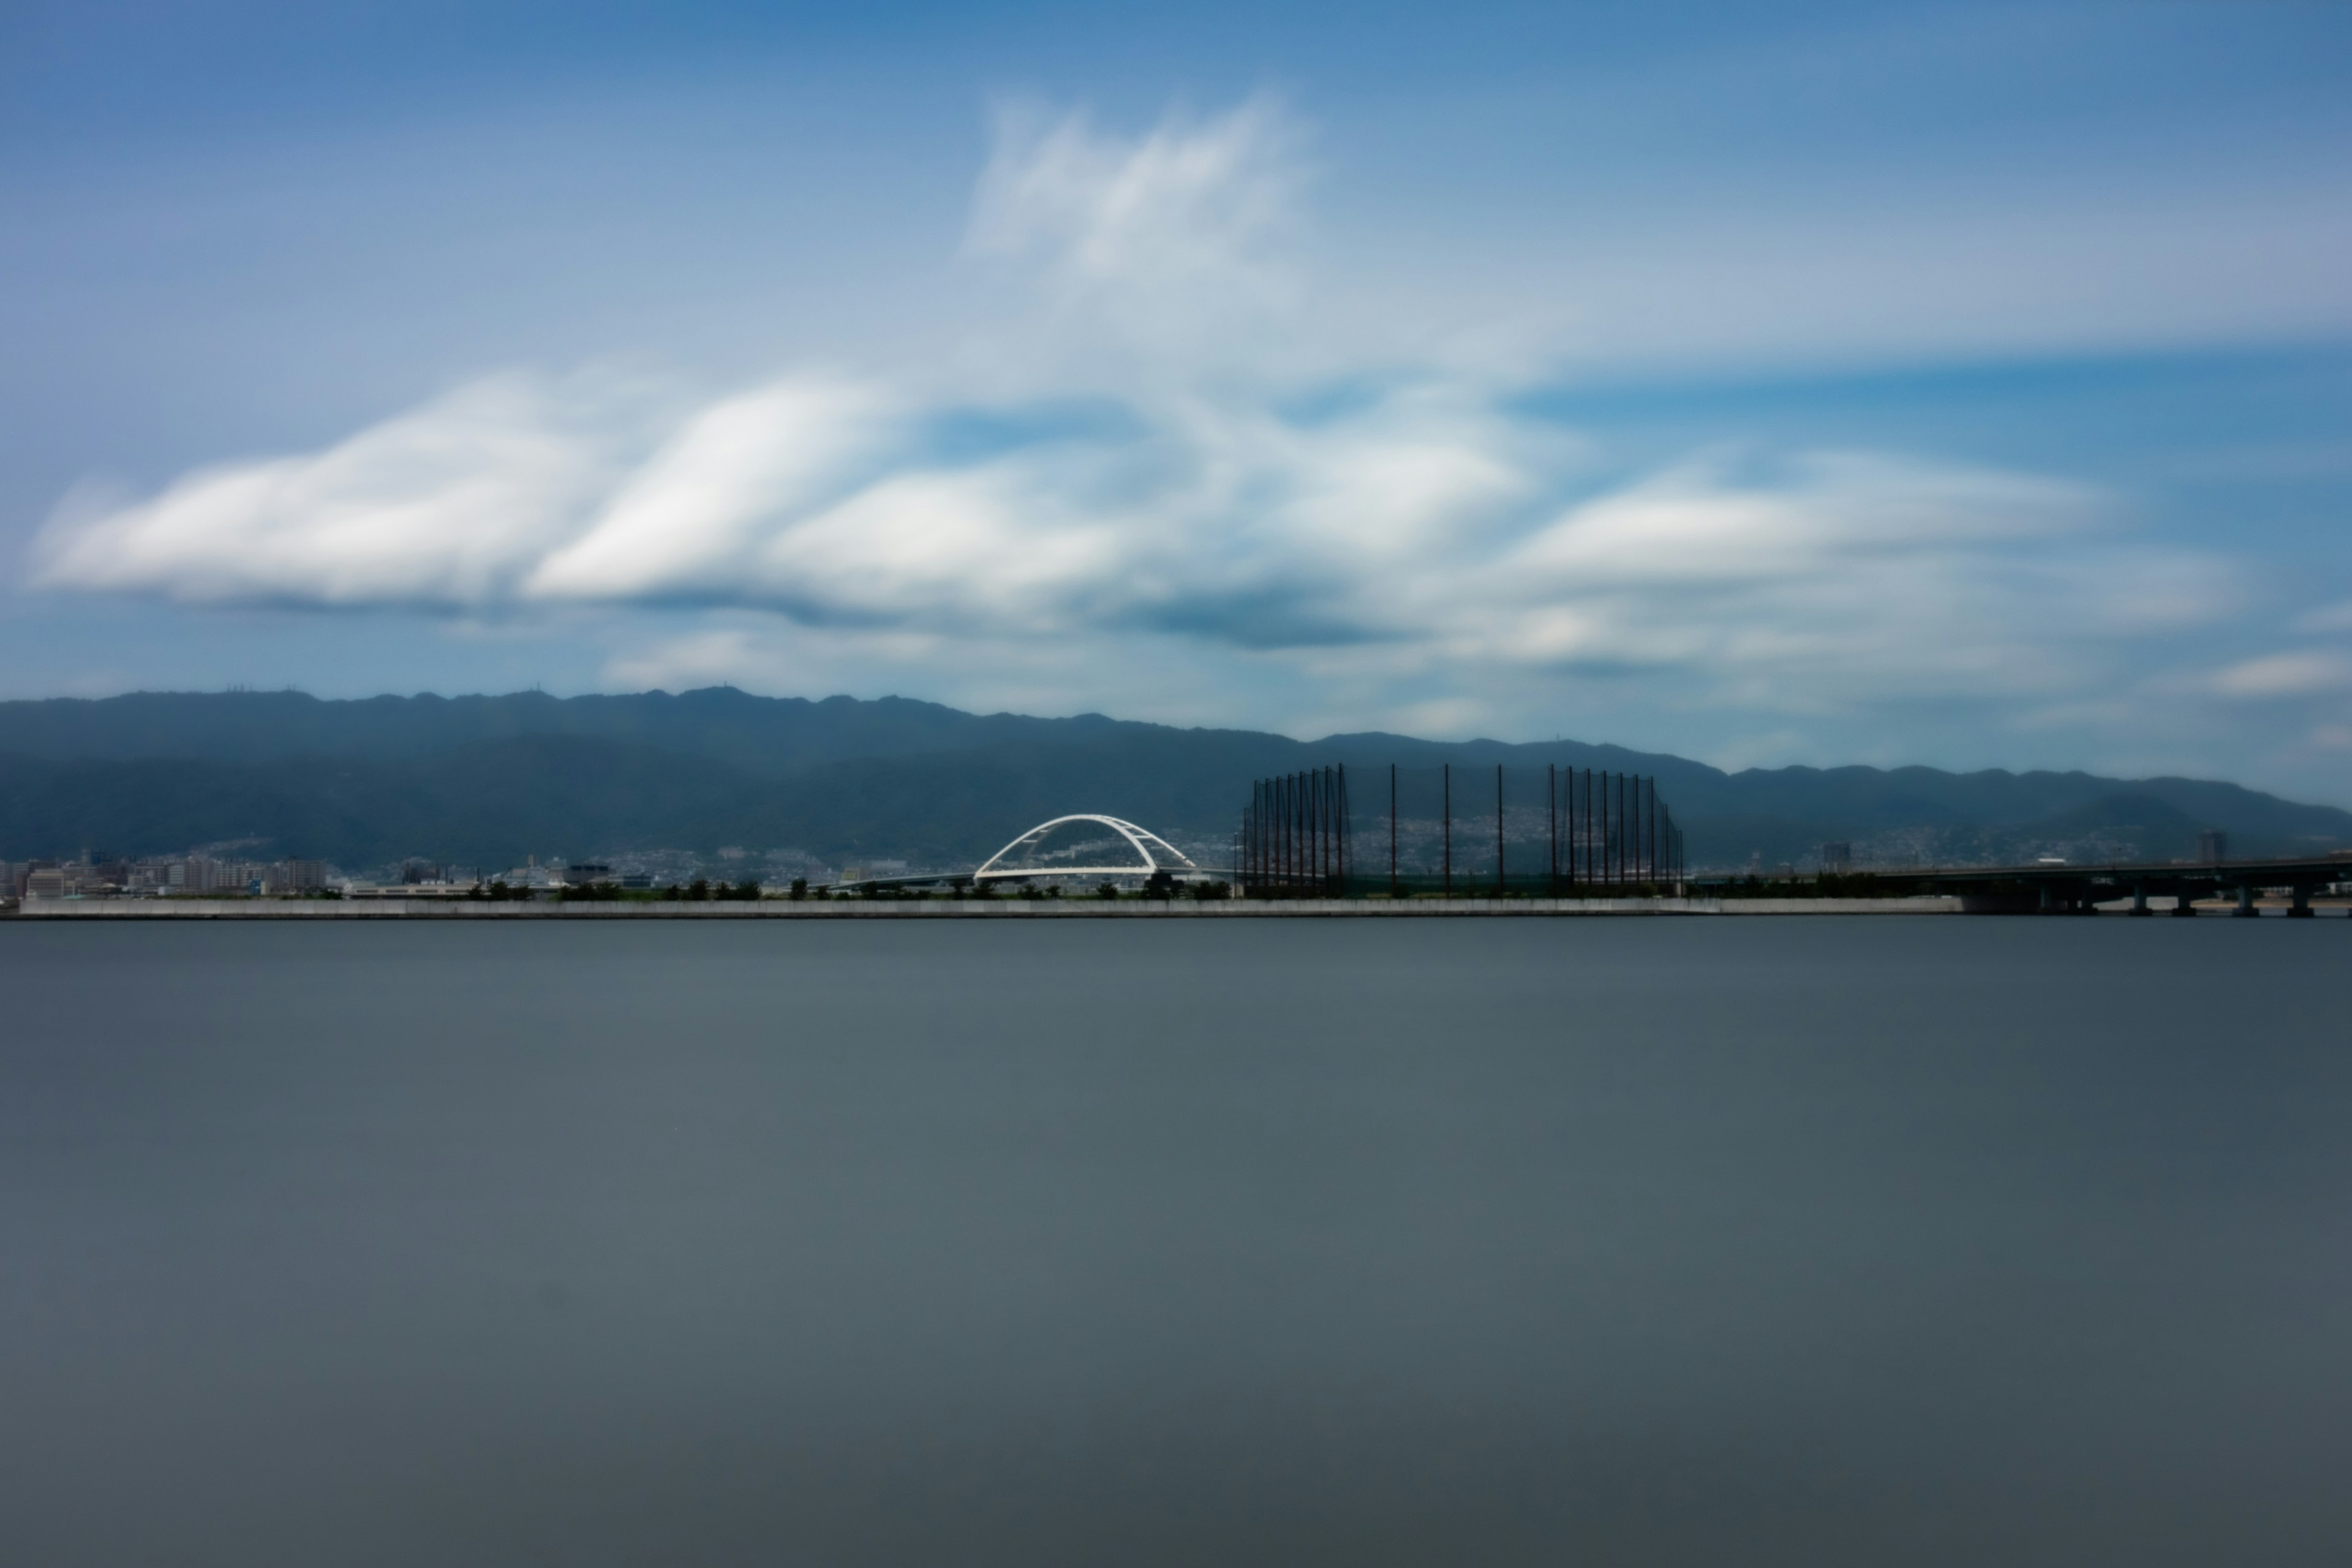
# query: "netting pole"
{"type": "Point", "coordinates": [1498, 830]}
{"type": "Point", "coordinates": [1344, 835]}
{"type": "Point", "coordinates": [1393, 831]}
{"type": "Point", "coordinates": [1323, 831]}
{"type": "Point", "coordinates": [1315, 830]}
{"type": "Point", "coordinates": [1297, 862]}
{"type": "Point", "coordinates": [1624, 832]}
{"type": "Point", "coordinates": [1551, 823]}
{"type": "Point", "coordinates": [1571, 825]}
{"type": "Point", "coordinates": [1330, 829]}
{"type": "Point", "coordinates": [1445, 810]}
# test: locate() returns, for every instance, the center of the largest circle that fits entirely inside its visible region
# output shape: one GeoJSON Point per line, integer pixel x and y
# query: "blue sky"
{"type": "Point", "coordinates": [1959, 385]}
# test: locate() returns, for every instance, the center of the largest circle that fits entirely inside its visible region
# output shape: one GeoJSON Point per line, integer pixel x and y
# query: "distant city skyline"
{"type": "Point", "coordinates": [1966, 386]}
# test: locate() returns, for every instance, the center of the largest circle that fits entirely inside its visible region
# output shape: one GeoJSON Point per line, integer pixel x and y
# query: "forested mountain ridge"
{"type": "Point", "coordinates": [487, 780]}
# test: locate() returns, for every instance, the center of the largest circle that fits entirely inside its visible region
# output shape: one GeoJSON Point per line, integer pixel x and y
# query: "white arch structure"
{"type": "Point", "coordinates": [1156, 853]}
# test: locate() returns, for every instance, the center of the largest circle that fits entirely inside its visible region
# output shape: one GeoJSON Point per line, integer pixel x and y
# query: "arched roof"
{"type": "Point", "coordinates": [1153, 852]}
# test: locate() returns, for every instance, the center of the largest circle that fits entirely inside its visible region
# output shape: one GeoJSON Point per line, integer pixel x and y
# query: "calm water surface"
{"type": "Point", "coordinates": [1819, 1241]}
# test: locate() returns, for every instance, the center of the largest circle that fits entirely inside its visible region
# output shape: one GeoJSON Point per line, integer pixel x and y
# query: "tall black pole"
{"type": "Point", "coordinates": [1551, 823]}
{"type": "Point", "coordinates": [1326, 841]}
{"type": "Point", "coordinates": [1392, 805]}
{"type": "Point", "coordinates": [1573, 840]}
{"type": "Point", "coordinates": [1650, 842]}
{"type": "Point", "coordinates": [1447, 809]}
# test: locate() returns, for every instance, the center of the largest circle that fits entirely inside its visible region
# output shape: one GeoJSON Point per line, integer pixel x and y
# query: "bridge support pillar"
{"type": "Point", "coordinates": [2184, 903]}
{"type": "Point", "coordinates": [2245, 910]}
{"type": "Point", "coordinates": [2046, 900]}
{"type": "Point", "coordinates": [2300, 909]}
{"type": "Point", "coordinates": [2140, 899]}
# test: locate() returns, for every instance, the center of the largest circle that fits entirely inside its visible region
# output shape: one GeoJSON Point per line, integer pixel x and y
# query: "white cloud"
{"type": "Point", "coordinates": [682, 523]}
{"type": "Point", "coordinates": [451, 503]}
{"type": "Point", "coordinates": [2283, 675]}
{"type": "Point", "coordinates": [1372, 540]}
{"type": "Point", "coordinates": [1163, 236]}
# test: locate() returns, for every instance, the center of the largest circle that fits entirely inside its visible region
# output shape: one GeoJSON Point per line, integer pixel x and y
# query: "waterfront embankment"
{"type": "Point", "coordinates": [956, 908]}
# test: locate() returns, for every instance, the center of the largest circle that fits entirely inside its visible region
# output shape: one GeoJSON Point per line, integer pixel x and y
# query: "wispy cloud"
{"type": "Point", "coordinates": [1377, 537]}
{"type": "Point", "coordinates": [2283, 675]}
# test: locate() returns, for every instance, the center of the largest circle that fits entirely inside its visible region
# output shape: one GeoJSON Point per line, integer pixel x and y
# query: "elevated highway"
{"type": "Point", "coordinates": [2061, 888]}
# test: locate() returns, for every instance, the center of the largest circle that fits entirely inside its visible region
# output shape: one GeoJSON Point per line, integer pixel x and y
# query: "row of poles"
{"type": "Point", "coordinates": [1294, 837]}
{"type": "Point", "coordinates": [1627, 834]}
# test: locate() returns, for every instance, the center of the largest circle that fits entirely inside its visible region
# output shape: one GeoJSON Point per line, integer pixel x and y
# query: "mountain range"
{"type": "Point", "coordinates": [487, 780]}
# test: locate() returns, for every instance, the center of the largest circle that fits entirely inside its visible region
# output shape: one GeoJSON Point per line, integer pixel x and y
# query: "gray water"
{"type": "Point", "coordinates": [1807, 1241]}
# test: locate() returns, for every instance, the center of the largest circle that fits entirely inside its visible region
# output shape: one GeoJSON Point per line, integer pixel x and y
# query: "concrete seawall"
{"type": "Point", "coordinates": [964, 909]}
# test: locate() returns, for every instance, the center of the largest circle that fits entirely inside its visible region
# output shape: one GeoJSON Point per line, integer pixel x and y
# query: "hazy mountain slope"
{"type": "Point", "coordinates": [487, 805]}
{"type": "Point", "coordinates": [487, 780]}
{"type": "Point", "coordinates": [764, 734]}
